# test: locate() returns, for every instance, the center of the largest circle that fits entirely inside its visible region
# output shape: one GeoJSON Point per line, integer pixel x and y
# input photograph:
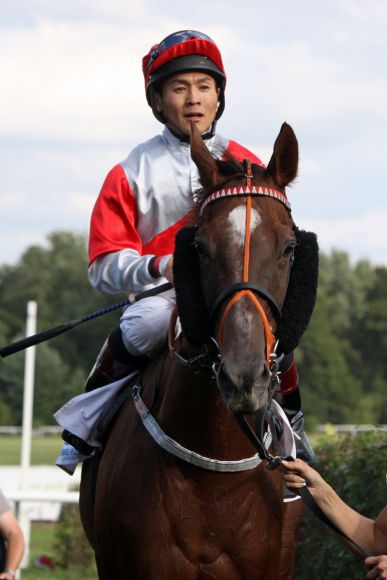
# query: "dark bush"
{"type": "Point", "coordinates": [355, 466]}
{"type": "Point", "coordinates": [72, 550]}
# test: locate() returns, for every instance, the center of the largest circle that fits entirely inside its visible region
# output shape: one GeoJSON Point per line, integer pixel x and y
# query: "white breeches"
{"type": "Point", "coordinates": [144, 325]}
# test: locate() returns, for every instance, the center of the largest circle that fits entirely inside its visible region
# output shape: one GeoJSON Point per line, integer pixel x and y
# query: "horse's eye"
{"type": "Point", "coordinates": [289, 249]}
{"type": "Point", "coordinates": [201, 249]}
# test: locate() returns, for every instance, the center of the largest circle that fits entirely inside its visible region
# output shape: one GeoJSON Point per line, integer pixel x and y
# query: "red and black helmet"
{"type": "Point", "coordinates": [183, 51]}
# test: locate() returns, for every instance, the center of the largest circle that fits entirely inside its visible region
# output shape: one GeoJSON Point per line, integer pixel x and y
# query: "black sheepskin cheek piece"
{"type": "Point", "coordinates": [191, 307]}
{"type": "Point", "coordinates": [302, 290]}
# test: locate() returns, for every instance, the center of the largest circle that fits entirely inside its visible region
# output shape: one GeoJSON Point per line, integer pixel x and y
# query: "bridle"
{"type": "Point", "coordinates": [247, 289]}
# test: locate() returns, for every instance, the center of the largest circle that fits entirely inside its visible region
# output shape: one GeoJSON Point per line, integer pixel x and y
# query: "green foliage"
{"type": "Point", "coordinates": [43, 538]}
{"type": "Point", "coordinates": [341, 359]}
{"type": "Point", "coordinates": [355, 467]}
{"type": "Point", "coordinates": [72, 550]}
{"type": "Point", "coordinates": [56, 277]}
{"type": "Point", "coordinates": [325, 372]}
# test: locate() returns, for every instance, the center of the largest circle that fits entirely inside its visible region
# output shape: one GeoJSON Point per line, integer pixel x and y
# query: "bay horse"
{"type": "Point", "coordinates": [156, 514]}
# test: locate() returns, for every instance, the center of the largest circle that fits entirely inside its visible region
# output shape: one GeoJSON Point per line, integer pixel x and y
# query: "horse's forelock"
{"type": "Point", "coordinates": [229, 165]}
{"type": "Point", "coordinates": [230, 168]}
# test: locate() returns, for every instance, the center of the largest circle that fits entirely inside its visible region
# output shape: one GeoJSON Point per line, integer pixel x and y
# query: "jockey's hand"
{"type": "Point", "coordinates": [297, 474]}
{"type": "Point", "coordinates": [377, 567]}
{"type": "Point", "coordinates": [168, 272]}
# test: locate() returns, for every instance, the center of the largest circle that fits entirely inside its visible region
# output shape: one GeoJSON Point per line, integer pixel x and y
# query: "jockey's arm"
{"type": "Point", "coordinates": [126, 270]}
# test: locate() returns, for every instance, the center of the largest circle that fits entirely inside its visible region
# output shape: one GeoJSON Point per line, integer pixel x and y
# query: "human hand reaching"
{"type": "Point", "coordinates": [297, 474]}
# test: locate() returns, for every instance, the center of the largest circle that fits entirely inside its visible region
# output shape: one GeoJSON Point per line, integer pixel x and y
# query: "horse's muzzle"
{"type": "Point", "coordinates": [242, 392]}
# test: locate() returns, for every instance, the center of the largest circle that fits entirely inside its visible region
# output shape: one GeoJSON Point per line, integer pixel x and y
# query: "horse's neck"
{"type": "Point", "coordinates": [193, 412]}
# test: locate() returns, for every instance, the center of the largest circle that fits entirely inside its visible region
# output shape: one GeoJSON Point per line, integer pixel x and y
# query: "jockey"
{"type": "Point", "coordinates": [149, 196]}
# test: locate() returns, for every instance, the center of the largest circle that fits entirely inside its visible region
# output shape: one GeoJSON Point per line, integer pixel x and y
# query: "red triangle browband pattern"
{"type": "Point", "coordinates": [245, 190]}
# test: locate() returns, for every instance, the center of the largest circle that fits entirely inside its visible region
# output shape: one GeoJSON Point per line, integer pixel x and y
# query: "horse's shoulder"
{"type": "Point", "coordinates": [150, 379]}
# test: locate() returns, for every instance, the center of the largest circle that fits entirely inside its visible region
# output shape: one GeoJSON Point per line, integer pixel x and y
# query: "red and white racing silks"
{"type": "Point", "coordinates": [143, 203]}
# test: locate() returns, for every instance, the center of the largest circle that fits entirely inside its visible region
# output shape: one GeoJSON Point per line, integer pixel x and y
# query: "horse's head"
{"type": "Point", "coordinates": [243, 246]}
{"type": "Point", "coordinates": [245, 241]}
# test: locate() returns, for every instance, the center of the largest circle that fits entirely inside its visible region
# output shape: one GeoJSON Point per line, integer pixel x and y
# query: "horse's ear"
{"type": "Point", "coordinates": [206, 164]}
{"type": "Point", "coordinates": [283, 164]}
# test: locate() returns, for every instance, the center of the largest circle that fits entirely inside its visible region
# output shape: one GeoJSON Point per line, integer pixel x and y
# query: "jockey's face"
{"type": "Point", "coordinates": [188, 97]}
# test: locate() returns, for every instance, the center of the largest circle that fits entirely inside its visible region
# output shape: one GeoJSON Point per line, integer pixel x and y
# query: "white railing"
{"type": "Point", "coordinates": [348, 428]}
{"type": "Point", "coordinates": [19, 496]}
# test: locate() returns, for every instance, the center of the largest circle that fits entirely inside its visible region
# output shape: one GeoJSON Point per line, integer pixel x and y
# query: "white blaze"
{"type": "Point", "coordinates": [237, 220]}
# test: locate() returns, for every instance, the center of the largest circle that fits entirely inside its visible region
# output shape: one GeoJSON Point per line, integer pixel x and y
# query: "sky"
{"type": "Point", "coordinates": [72, 105]}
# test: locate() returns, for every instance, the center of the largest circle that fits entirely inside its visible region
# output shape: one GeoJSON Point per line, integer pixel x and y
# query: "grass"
{"type": "Point", "coordinates": [44, 450]}
{"type": "Point", "coordinates": [43, 543]}
{"type": "Point", "coordinates": [36, 574]}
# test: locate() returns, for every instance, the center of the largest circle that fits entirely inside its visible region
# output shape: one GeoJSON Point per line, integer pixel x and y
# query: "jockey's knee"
{"type": "Point", "coordinates": [144, 326]}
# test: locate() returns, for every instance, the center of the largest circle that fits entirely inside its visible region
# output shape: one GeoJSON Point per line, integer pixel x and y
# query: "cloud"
{"type": "Point", "coordinates": [75, 82]}
{"type": "Point", "coordinates": [361, 237]}
{"type": "Point", "coordinates": [72, 104]}
{"type": "Point", "coordinates": [22, 13]}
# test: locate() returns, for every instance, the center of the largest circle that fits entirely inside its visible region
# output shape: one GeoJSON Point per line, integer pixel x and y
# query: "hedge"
{"type": "Point", "coordinates": [355, 465]}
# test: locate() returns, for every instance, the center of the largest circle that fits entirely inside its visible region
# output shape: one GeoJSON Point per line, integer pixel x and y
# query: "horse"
{"type": "Point", "coordinates": [179, 492]}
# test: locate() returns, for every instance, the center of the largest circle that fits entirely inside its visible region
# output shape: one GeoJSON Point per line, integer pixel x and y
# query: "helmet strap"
{"type": "Point", "coordinates": [186, 138]}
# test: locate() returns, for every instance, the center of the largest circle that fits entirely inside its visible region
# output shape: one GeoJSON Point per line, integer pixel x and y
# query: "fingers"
{"type": "Point", "coordinates": [293, 478]}
{"type": "Point", "coordinates": [294, 483]}
{"type": "Point", "coordinates": [377, 566]}
{"type": "Point", "coordinates": [296, 465]}
{"type": "Point", "coordinates": [303, 470]}
{"type": "Point", "coordinates": [298, 474]}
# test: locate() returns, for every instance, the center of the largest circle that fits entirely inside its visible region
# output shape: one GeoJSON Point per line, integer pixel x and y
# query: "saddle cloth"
{"type": "Point", "coordinates": [82, 416]}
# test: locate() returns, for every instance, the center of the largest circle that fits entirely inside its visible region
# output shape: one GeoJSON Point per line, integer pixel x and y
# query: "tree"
{"type": "Point", "coordinates": [327, 383]}
{"type": "Point", "coordinates": [56, 277]}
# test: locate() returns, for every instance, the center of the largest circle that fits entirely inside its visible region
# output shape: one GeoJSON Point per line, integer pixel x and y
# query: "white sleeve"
{"type": "Point", "coordinates": [124, 271]}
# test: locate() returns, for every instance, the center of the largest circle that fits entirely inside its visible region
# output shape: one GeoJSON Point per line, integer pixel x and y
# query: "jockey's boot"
{"type": "Point", "coordinates": [113, 363]}
{"type": "Point", "coordinates": [290, 400]}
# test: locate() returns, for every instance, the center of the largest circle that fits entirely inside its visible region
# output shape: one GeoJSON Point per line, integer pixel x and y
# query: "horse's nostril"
{"type": "Point", "coordinates": [265, 372]}
{"type": "Point", "coordinates": [233, 377]}
{"type": "Point", "coordinates": [224, 379]}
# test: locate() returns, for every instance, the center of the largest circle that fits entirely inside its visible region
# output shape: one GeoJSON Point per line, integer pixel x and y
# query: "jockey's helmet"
{"type": "Point", "coordinates": [183, 51]}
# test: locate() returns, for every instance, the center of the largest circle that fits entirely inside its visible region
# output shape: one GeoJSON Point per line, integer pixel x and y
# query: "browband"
{"type": "Point", "coordinates": [245, 190]}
